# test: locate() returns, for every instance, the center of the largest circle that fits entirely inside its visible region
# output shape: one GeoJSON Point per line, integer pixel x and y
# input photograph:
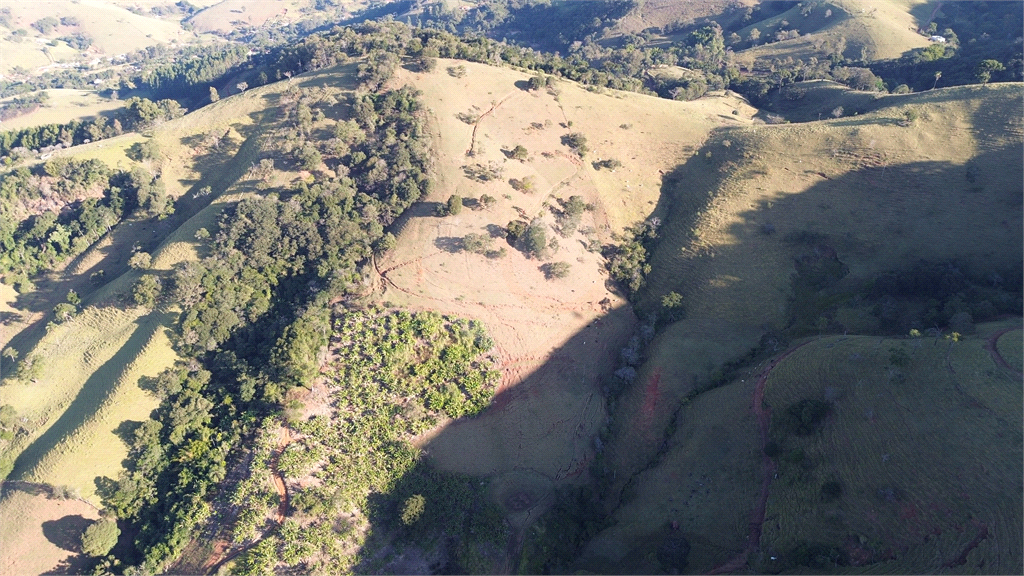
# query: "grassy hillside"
{"type": "Point", "coordinates": [556, 337]}
{"type": "Point", "coordinates": [879, 29]}
{"type": "Point", "coordinates": [876, 190]}
{"type": "Point", "coordinates": [879, 477]}
{"type": "Point", "coordinates": [113, 28]}
{"type": "Point", "coordinates": [77, 405]}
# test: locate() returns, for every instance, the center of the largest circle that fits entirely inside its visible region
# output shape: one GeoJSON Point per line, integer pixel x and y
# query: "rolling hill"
{"type": "Point", "coordinates": [820, 370]}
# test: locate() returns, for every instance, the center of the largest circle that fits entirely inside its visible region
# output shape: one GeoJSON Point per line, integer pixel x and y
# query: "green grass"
{"type": "Point", "coordinates": [1011, 347]}
{"type": "Point", "coordinates": [912, 481]}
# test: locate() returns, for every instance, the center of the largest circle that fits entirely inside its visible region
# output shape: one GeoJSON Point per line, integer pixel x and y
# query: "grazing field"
{"type": "Point", "coordinates": [556, 338]}
{"type": "Point", "coordinates": [64, 105]}
{"type": "Point", "coordinates": [888, 475]}
{"type": "Point", "coordinates": [883, 193]}
{"type": "Point", "coordinates": [49, 528]}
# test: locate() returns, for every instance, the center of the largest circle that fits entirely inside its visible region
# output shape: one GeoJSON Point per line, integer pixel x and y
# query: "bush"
{"type": "Point", "coordinates": [476, 243]}
{"type": "Point", "coordinates": [454, 205]}
{"type": "Point", "coordinates": [527, 184]}
{"type": "Point", "coordinates": [146, 291]}
{"type": "Point", "coordinates": [515, 229]}
{"type": "Point", "coordinates": [413, 509]}
{"type": "Point", "coordinates": [805, 417]}
{"type": "Point", "coordinates": [555, 270]}
{"type": "Point", "coordinates": [140, 261]}
{"type": "Point", "coordinates": [100, 537]}
{"type": "Point", "coordinates": [536, 240]}
{"type": "Point", "coordinates": [576, 141]}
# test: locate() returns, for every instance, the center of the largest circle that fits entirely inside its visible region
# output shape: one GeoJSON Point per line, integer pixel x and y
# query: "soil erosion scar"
{"type": "Point", "coordinates": [763, 415]}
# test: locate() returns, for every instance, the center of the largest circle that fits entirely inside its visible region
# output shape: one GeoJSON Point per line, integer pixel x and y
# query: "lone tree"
{"type": "Point", "coordinates": [100, 537]}
{"type": "Point", "coordinates": [454, 205]}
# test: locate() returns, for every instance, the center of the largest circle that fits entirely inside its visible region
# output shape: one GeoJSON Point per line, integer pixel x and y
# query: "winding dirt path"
{"type": "Point", "coordinates": [990, 345]}
{"type": "Point", "coordinates": [472, 143]}
{"type": "Point", "coordinates": [217, 557]}
{"type": "Point", "coordinates": [763, 415]}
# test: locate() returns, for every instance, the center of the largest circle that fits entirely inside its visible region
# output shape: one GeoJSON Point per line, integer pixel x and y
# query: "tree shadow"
{"type": "Point", "coordinates": [78, 564]}
{"type": "Point", "coordinates": [496, 231]}
{"type": "Point", "coordinates": [450, 244]}
{"type": "Point", "coordinates": [125, 431]}
{"type": "Point", "coordinates": [66, 533]}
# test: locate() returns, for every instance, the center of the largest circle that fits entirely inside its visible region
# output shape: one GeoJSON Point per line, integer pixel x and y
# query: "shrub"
{"type": "Point", "coordinates": [555, 270]}
{"type": "Point", "coordinates": [100, 537]}
{"type": "Point", "coordinates": [515, 230]}
{"type": "Point", "coordinates": [476, 243]}
{"type": "Point", "coordinates": [519, 152]}
{"type": "Point", "coordinates": [457, 71]}
{"type": "Point", "coordinates": [146, 291]}
{"type": "Point", "coordinates": [806, 416]}
{"type": "Point", "coordinates": [536, 239]}
{"type": "Point", "coordinates": [609, 163]}
{"type": "Point", "coordinates": [527, 184]}
{"type": "Point", "coordinates": [831, 490]}
{"type": "Point", "coordinates": [454, 205]}
{"type": "Point", "coordinates": [576, 141]}
{"type": "Point", "coordinates": [413, 509]}
{"type": "Point", "coordinates": [140, 261]}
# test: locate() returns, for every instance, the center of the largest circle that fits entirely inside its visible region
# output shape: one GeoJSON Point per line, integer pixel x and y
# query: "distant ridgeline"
{"type": "Point", "coordinates": [980, 47]}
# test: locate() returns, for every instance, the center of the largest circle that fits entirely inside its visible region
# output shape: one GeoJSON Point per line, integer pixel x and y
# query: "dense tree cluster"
{"type": "Point", "coordinates": [42, 241]}
{"type": "Point", "coordinates": [138, 114]}
{"type": "Point", "coordinates": [628, 260]}
{"type": "Point", "coordinates": [256, 315]}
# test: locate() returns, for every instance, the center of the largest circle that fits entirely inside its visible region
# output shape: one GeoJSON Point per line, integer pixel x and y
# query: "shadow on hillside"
{"type": "Point", "coordinates": [92, 395]}
{"type": "Point", "coordinates": [218, 170]}
{"type": "Point", "coordinates": [537, 437]}
{"type": "Point", "coordinates": [871, 219]}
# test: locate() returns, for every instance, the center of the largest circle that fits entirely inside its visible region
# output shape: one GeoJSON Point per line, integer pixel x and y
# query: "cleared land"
{"type": "Point", "coordinates": [556, 338]}
{"type": "Point", "coordinates": [49, 529]}
{"type": "Point", "coordinates": [62, 107]}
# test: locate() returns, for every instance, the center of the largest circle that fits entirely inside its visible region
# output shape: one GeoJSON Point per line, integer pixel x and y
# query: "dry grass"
{"type": "Point", "coordinates": [555, 338]}
{"type": "Point", "coordinates": [63, 106]}
{"type": "Point", "coordinates": [113, 28]}
{"type": "Point", "coordinates": [30, 521]}
{"type": "Point", "coordinates": [226, 15]}
{"type": "Point", "coordinates": [884, 28]}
